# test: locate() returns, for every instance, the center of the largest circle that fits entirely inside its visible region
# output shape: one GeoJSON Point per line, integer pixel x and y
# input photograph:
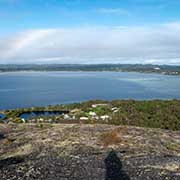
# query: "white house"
{"type": "Point", "coordinates": [66, 117]}
{"type": "Point", "coordinates": [156, 68]}
{"type": "Point", "coordinates": [105, 117]}
{"type": "Point", "coordinates": [91, 113]}
{"type": "Point", "coordinates": [84, 118]}
{"type": "Point", "coordinates": [96, 105]}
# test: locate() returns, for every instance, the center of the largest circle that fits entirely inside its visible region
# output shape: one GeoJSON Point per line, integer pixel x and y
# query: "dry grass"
{"type": "Point", "coordinates": [110, 138]}
{"type": "Point", "coordinates": [172, 146]}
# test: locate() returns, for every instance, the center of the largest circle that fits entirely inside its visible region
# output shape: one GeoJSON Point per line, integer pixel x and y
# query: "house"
{"type": "Point", "coordinates": [156, 68]}
{"type": "Point", "coordinates": [91, 113]}
{"type": "Point", "coordinates": [96, 105]}
{"type": "Point", "coordinates": [96, 117]}
{"type": "Point", "coordinates": [75, 111]}
{"type": "Point", "coordinates": [23, 120]}
{"type": "Point", "coordinates": [66, 117]}
{"type": "Point", "coordinates": [114, 108]}
{"type": "Point", "coordinates": [84, 118]}
{"type": "Point", "coordinates": [105, 117]}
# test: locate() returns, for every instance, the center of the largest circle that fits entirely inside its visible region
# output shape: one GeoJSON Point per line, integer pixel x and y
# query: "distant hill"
{"type": "Point", "coordinates": [148, 68]}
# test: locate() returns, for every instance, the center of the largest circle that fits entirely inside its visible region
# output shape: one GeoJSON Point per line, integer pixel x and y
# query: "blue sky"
{"type": "Point", "coordinates": [27, 14]}
{"type": "Point", "coordinates": [83, 31]}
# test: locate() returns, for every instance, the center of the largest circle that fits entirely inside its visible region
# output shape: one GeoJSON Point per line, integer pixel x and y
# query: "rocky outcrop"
{"type": "Point", "coordinates": [86, 152]}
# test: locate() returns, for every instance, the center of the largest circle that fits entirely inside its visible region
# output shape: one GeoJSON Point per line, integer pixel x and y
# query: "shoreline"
{"type": "Point", "coordinates": [85, 101]}
{"type": "Point", "coordinates": [91, 71]}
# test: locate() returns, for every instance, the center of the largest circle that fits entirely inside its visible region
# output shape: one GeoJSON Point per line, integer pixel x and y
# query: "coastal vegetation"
{"type": "Point", "coordinates": [164, 114]}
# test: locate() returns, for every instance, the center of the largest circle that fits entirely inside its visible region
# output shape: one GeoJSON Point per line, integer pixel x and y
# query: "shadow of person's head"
{"type": "Point", "coordinates": [1, 136]}
{"type": "Point", "coordinates": [114, 167]}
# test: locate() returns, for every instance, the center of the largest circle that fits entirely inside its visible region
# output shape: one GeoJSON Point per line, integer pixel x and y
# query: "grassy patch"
{"type": "Point", "coordinates": [110, 138]}
{"type": "Point", "coordinates": [173, 146]}
{"type": "Point", "coordinates": [43, 125]}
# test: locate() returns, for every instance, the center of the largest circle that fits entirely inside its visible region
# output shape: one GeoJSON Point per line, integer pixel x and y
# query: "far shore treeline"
{"type": "Point", "coordinates": [144, 68]}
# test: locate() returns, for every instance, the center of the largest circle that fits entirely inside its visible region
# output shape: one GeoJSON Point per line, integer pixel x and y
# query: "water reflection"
{"type": "Point", "coordinates": [35, 114]}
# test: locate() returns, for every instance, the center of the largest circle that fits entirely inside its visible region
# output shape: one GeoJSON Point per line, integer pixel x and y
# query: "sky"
{"type": "Point", "coordinates": [90, 31]}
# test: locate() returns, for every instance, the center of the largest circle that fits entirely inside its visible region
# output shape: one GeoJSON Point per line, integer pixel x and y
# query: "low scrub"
{"type": "Point", "coordinates": [112, 138]}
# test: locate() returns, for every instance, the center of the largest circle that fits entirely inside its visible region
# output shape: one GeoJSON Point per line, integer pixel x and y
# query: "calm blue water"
{"type": "Point", "coordinates": [2, 116]}
{"type": "Point", "coordinates": [28, 115]}
{"type": "Point", "coordinates": [26, 89]}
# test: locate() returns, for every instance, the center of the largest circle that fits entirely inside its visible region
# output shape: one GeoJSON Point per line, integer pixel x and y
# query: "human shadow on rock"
{"type": "Point", "coordinates": [114, 168]}
{"type": "Point", "coordinates": [10, 161]}
{"type": "Point", "coordinates": [2, 136]}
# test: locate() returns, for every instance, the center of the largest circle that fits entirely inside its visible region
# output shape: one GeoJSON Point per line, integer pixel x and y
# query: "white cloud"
{"type": "Point", "coordinates": [139, 44]}
{"type": "Point", "coordinates": [119, 11]}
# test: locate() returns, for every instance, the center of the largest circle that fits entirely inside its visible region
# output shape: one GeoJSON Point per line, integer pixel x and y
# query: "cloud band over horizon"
{"type": "Point", "coordinates": [156, 44]}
